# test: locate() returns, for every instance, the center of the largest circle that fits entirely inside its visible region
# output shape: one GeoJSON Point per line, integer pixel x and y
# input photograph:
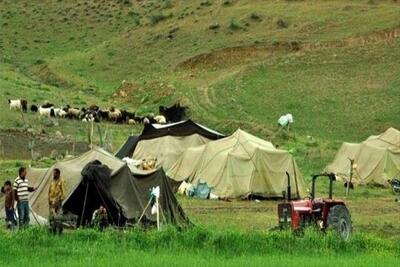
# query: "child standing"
{"type": "Point", "coordinates": [8, 191]}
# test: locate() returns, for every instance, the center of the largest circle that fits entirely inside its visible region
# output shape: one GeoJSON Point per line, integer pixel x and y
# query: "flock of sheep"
{"type": "Point", "coordinates": [94, 113]}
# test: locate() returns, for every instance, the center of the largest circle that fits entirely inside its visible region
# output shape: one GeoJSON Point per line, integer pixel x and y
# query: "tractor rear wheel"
{"type": "Point", "coordinates": [339, 220]}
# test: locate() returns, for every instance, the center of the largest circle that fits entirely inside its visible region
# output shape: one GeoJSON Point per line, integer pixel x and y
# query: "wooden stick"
{"type": "Point", "coordinates": [158, 215]}
{"type": "Point", "coordinates": [351, 176]}
{"type": "Point", "coordinates": [144, 211]}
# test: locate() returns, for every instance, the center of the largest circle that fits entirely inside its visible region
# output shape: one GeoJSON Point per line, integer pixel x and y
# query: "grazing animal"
{"type": "Point", "coordinates": [92, 114]}
{"type": "Point", "coordinates": [18, 104]}
{"type": "Point", "coordinates": [24, 105]}
{"type": "Point", "coordinates": [131, 122]}
{"type": "Point", "coordinates": [102, 114]}
{"type": "Point", "coordinates": [129, 115]}
{"type": "Point", "coordinates": [149, 120]}
{"type": "Point", "coordinates": [47, 105]}
{"type": "Point", "coordinates": [114, 114]}
{"type": "Point", "coordinates": [139, 120]}
{"type": "Point", "coordinates": [34, 108]}
{"type": "Point", "coordinates": [174, 113]}
{"type": "Point", "coordinates": [59, 112]}
{"type": "Point", "coordinates": [126, 116]}
{"type": "Point", "coordinates": [73, 113]}
{"type": "Point", "coordinates": [88, 118]}
{"type": "Point", "coordinates": [160, 119]}
{"type": "Point", "coordinates": [46, 112]}
{"type": "Point", "coordinates": [94, 108]}
{"type": "Point", "coordinates": [55, 112]}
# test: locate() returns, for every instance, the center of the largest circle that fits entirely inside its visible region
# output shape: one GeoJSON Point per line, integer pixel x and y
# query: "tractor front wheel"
{"type": "Point", "coordinates": [339, 220]}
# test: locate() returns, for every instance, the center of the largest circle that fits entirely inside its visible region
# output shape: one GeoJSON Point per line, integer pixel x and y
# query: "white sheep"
{"type": "Point", "coordinates": [45, 112]}
{"type": "Point", "coordinates": [74, 113]}
{"type": "Point", "coordinates": [15, 104]}
{"type": "Point", "coordinates": [114, 115]}
{"type": "Point", "coordinates": [160, 119]}
{"type": "Point", "coordinates": [18, 104]}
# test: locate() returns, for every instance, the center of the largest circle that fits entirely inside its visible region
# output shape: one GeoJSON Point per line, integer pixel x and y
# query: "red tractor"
{"type": "Point", "coordinates": [323, 213]}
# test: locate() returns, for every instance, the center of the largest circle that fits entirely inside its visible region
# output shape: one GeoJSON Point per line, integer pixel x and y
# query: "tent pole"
{"type": "Point", "coordinates": [84, 202]}
{"type": "Point", "coordinates": [105, 204]}
{"type": "Point", "coordinates": [158, 214]}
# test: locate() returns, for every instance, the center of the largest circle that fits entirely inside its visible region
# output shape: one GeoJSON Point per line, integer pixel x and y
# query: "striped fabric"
{"type": "Point", "coordinates": [22, 188]}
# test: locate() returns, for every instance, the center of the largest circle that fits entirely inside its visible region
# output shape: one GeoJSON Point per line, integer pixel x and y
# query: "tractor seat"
{"type": "Point", "coordinates": [303, 209]}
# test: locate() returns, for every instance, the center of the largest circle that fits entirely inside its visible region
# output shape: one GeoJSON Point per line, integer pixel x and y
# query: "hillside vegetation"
{"type": "Point", "coordinates": [333, 64]}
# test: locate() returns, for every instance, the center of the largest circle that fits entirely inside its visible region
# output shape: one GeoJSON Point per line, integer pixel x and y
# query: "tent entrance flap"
{"type": "Point", "coordinates": [91, 193]}
{"type": "Point", "coordinates": [86, 199]}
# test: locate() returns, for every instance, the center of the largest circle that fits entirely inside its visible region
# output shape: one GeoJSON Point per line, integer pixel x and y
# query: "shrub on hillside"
{"type": "Point", "coordinates": [126, 2]}
{"type": "Point", "coordinates": [236, 25]}
{"type": "Point", "coordinates": [282, 23]}
{"type": "Point", "coordinates": [255, 16]}
{"type": "Point", "coordinates": [39, 61]}
{"type": "Point", "coordinates": [167, 4]}
{"type": "Point", "coordinates": [135, 16]}
{"type": "Point", "coordinates": [206, 3]}
{"type": "Point", "coordinates": [213, 26]}
{"type": "Point", "coordinates": [157, 17]}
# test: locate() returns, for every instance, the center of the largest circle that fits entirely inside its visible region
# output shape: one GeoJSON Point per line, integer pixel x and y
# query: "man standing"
{"type": "Point", "coordinates": [22, 190]}
{"type": "Point", "coordinates": [56, 197]}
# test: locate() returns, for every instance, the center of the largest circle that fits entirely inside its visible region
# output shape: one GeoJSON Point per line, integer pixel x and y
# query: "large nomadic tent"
{"type": "Point", "coordinates": [239, 165]}
{"type": "Point", "coordinates": [98, 178]}
{"type": "Point", "coordinates": [376, 160]}
{"type": "Point", "coordinates": [166, 142]}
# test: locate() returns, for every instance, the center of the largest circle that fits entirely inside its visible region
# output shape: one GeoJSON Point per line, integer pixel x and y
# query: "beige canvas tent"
{"type": "Point", "coordinates": [239, 165]}
{"type": "Point", "coordinates": [167, 142]}
{"type": "Point", "coordinates": [376, 160]}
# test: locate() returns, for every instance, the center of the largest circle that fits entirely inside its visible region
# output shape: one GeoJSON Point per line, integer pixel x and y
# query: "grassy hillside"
{"type": "Point", "coordinates": [333, 64]}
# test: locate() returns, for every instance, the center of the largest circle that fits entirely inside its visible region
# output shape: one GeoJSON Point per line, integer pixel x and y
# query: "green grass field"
{"type": "Point", "coordinates": [236, 63]}
{"type": "Point", "coordinates": [195, 247]}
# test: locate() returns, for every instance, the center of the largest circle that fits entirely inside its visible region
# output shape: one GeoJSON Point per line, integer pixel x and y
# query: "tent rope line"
{"type": "Point", "coordinates": [37, 192]}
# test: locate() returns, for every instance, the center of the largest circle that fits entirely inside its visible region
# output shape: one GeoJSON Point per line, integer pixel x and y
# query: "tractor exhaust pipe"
{"type": "Point", "coordinates": [289, 193]}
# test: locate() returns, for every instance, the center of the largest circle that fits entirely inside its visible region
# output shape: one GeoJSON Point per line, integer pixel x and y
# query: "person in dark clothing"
{"type": "Point", "coordinates": [7, 190]}
{"type": "Point", "coordinates": [100, 218]}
